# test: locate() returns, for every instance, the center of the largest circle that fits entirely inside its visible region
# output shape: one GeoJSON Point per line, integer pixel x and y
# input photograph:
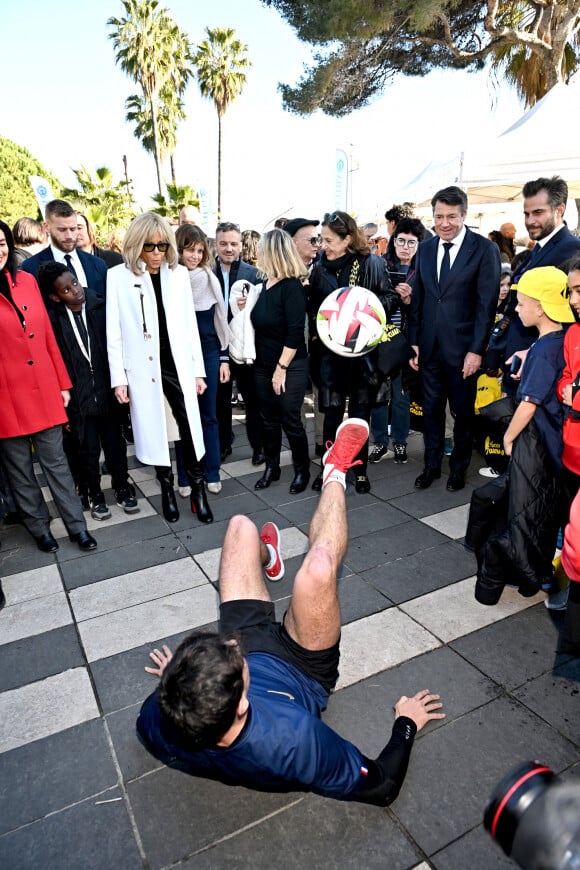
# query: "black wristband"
{"type": "Point", "coordinates": [280, 366]}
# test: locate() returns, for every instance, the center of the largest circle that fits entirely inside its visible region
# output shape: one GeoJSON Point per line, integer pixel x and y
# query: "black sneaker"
{"type": "Point", "coordinates": [400, 454]}
{"type": "Point", "coordinates": [99, 509]}
{"type": "Point", "coordinates": [126, 499]}
{"type": "Point", "coordinates": [379, 451]}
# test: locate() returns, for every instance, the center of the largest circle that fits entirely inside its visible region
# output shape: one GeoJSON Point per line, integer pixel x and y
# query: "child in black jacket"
{"type": "Point", "coordinates": [78, 320]}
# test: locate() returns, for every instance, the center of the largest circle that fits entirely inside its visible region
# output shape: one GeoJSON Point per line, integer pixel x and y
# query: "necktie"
{"type": "Point", "coordinates": [69, 265]}
{"type": "Point", "coordinates": [536, 251]}
{"type": "Point", "coordinates": [81, 328]}
{"type": "Point", "coordinates": [445, 264]}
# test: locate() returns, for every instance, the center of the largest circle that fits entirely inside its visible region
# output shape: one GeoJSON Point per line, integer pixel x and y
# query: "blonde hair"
{"type": "Point", "coordinates": [141, 230]}
{"type": "Point", "coordinates": [279, 256]}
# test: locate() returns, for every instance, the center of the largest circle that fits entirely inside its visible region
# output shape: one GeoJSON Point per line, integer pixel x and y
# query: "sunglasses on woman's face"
{"type": "Point", "coordinates": [162, 247]}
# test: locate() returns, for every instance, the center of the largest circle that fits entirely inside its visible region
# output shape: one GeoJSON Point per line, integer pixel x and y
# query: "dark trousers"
{"type": "Point", "coordinates": [333, 417]}
{"type": "Point", "coordinates": [283, 412]}
{"type": "Point", "coordinates": [17, 459]}
{"type": "Point", "coordinates": [441, 382]}
{"type": "Point", "coordinates": [244, 377]}
{"type": "Point", "coordinates": [102, 430]}
{"type": "Point", "coordinates": [174, 395]}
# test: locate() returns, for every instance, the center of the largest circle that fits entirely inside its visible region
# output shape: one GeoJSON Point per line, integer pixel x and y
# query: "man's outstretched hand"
{"type": "Point", "coordinates": [420, 708]}
{"type": "Point", "coordinates": [161, 659]}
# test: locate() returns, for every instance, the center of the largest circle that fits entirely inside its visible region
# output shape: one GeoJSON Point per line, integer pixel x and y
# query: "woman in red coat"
{"type": "Point", "coordinates": [34, 385]}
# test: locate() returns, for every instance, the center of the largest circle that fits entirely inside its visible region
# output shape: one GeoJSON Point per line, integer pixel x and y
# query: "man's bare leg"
{"type": "Point", "coordinates": [313, 618]}
{"type": "Point", "coordinates": [243, 557]}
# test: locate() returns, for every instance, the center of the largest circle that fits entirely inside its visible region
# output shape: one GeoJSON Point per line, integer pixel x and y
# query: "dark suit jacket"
{"type": "Point", "coordinates": [561, 248]}
{"type": "Point", "coordinates": [239, 271]}
{"type": "Point", "coordinates": [459, 315]}
{"type": "Point", "coordinates": [95, 269]}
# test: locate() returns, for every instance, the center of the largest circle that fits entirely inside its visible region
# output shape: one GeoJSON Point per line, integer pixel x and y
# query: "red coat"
{"type": "Point", "coordinates": [32, 371]}
{"type": "Point", "coordinates": [571, 433]}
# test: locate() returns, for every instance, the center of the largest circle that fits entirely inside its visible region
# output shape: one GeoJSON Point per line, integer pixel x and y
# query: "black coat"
{"type": "Point", "coordinates": [91, 392]}
{"type": "Point", "coordinates": [514, 520]}
{"type": "Point", "coordinates": [338, 377]}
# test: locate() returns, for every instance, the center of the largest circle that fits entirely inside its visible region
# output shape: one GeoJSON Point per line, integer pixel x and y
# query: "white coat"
{"type": "Point", "coordinates": [134, 359]}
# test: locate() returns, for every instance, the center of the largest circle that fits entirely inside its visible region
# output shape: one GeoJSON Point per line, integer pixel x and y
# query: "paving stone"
{"type": "Point", "coordinates": [555, 696]}
{"type": "Point", "coordinates": [373, 517]}
{"type": "Point", "coordinates": [46, 775]}
{"type": "Point", "coordinates": [33, 658]}
{"type": "Point", "coordinates": [34, 617]}
{"type": "Point", "coordinates": [19, 553]}
{"type": "Point", "coordinates": [315, 833]}
{"type": "Point", "coordinates": [358, 599]}
{"type": "Point", "coordinates": [476, 851]}
{"type": "Point", "coordinates": [416, 574]}
{"type": "Point", "coordinates": [132, 757]}
{"type": "Point", "coordinates": [222, 508]}
{"type": "Point", "coordinates": [130, 557]}
{"type": "Point", "coordinates": [92, 835]}
{"type": "Point", "coordinates": [514, 652]}
{"type": "Point", "coordinates": [455, 768]}
{"type": "Point", "coordinates": [363, 713]}
{"type": "Point", "coordinates": [193, 813]}
{"type": "Point", "coordinates": [427, 502]}
{"type": "Point", "coordinates": [452, 522]}
{"type": "Point", "coordinates": [385, 545]}
{"type": "Point", "coordinates": [127, 533]}
{"type": "Point", "coordinates": [28, 585]}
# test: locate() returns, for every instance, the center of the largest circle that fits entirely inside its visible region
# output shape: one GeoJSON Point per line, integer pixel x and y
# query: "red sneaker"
{"type": "Point", "coordinates": [270, 534]}
{"type": "Point", "coordinates": [350, 437]}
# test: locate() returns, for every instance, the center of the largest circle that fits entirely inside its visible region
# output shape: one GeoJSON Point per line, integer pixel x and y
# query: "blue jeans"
{"type": "Point", "coordinates": [400, 416]}
{"type": "Point", "coordinates": [209, 423]}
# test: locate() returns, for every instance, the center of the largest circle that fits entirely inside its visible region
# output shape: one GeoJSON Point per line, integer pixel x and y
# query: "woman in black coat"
{"type": "Point", "coordinates": [346, 262]}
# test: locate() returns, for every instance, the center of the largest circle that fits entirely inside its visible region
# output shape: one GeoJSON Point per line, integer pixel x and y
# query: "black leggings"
{"type": "Point", "coordinates": [174, 395]}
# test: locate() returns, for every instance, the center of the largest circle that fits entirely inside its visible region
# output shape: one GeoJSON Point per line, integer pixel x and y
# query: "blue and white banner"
{"type": "Point", "coordinates": [42, 191]}
{"type": "Point", "coordinates": [205, 211]}
{"type": "Point", "coordinates": [341, 181]}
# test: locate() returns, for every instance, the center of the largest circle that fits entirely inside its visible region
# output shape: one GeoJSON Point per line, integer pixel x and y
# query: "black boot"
{"type": "Point", "coordinates": [271, 473]}
{"type": "Point", "coordinates": [199, 504]}
{"type": "Point", "coordinates": [301, 478]}
{"type": "Point", "coordinates": [168, 503]}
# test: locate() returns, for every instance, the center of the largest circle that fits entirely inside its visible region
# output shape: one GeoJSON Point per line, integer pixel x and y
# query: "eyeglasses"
{"type": "Point", "coordinates": [314, 241]}
{"type": "Point", "coordinates": [162, 247]}
{"type": "Point", "coordinates": [406, 243]}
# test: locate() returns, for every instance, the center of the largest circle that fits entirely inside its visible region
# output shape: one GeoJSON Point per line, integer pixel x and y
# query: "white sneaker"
{"type": "Point", "coordinates": [214, 487]}
{"type": "Point", "coordinates": [184, 491]}
{"type": "Point", "coordinates": [488, 472]}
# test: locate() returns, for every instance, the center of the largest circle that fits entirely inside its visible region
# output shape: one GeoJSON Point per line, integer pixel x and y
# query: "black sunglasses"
{"type": "Point", "coordinates": [333, 218]}
{"type": "Point", "coordinates": [162, 247]}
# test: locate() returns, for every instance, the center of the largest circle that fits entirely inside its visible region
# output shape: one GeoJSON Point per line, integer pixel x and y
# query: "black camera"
{"type": "Point", "coordinates": [535, 818]}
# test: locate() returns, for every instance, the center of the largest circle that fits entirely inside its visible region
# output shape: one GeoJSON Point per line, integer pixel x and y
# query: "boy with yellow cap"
{"type": "Point", "coordinates": [543, 303]}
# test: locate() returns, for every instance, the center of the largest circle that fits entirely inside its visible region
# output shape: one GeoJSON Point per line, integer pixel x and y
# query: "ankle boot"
{"type": "Point", "coordinates": [168, 502]}
{"type": "Point", "coordinates": [301, 478]}
{"type": "Point", "coordinates": [199, 504]}
{"type": "Point", "coordinates": [271, 473]}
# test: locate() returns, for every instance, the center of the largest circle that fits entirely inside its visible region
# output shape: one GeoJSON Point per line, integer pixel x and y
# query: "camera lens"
{"type": "Point", "coordinates": [512, 797]}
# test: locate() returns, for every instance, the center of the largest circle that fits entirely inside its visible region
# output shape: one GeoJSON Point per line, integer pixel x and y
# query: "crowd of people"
{"type": "Point", "coordinates": [100, 347]}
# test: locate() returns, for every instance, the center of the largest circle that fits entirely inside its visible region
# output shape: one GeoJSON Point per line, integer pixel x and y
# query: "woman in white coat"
{"type": "Point", "coordinates": [154, 350]}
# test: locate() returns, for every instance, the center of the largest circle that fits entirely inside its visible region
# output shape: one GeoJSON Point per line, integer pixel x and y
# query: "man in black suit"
{"type": "Point", "coordinates": [61, 225]}
{"type": "Point", "coordinates": [228, 269]}
{"type": "Point", "coordinates": [452, 311]}
{"type": "Point", "coordinates": [544, 206]}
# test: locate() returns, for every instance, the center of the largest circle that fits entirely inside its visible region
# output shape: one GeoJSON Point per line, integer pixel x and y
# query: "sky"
{"type": "Point", "coordinates": [66, 106]}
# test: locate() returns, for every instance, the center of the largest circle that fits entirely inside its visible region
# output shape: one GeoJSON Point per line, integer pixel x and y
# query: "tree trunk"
{"type": "Point", "coordinates": [152, 103]}
{"type": "Point", "coordinates": [219, 195]}
{"type": "Point", "coordinates": [172, 165]}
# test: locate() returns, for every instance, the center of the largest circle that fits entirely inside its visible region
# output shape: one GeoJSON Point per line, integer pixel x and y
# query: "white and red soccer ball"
{"type": "Point", "coordinates": [351, 321]}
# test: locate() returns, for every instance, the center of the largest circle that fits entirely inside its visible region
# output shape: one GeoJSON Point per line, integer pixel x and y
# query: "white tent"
{"type": "Point", "coordinates": [544, 141]}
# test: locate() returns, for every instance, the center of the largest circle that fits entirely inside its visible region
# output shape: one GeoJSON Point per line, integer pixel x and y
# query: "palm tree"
{"type": "Point", "coordinates": [152, 50]}
{"type": "Point", "coordinates": [220, 61]}
{"type": "Point", "coordinates": [169, 114]}
{"type": "Point", "coordinates": [106, 204]}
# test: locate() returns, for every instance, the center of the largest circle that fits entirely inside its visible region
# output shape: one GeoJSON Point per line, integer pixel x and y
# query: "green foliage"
{"type": "Point", "coordinates": [17, 198]}
{"type": "Point", "coordinates": [107, 205]}
{"type": "Point", "coordinates": [363, 44]}
{"type": "Point", "coordinates": [177, 196]}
